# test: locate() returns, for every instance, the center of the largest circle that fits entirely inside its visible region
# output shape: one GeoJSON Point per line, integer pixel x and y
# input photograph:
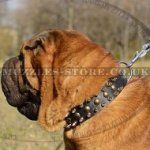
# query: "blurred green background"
{"type": "Point", "coordinates": [21, 19]}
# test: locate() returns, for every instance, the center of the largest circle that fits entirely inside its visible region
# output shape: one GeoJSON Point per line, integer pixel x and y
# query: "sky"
{"type": "Point", "coordinates": [12, 4]}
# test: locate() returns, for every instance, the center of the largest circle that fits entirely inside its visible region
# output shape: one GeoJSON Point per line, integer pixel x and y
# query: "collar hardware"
{"type": "Point", "coordinates": [95, 104]}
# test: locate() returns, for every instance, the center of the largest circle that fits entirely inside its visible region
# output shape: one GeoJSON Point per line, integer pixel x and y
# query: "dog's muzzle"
{"type": "Point", "coordinates": [17, 90]}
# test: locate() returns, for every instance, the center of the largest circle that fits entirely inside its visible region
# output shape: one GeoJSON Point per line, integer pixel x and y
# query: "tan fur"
{"type": "Point", "coordinates": [123, 125]}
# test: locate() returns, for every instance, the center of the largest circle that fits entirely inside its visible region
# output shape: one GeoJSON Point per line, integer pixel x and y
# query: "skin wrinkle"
{"type": "Point", "coordinates": [83, 80]}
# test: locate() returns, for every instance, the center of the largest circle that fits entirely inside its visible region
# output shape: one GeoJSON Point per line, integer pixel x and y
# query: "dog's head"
{"type": "Point", "coordinates": [40, 84]}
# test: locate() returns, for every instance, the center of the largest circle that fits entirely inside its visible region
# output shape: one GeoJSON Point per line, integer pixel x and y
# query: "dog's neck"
{"type": "Point", "coordinates": [96, 103]}
{"type": "Point", "coordinates": [109, 121]}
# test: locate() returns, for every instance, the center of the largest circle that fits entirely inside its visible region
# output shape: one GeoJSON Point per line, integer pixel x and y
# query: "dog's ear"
{"type": "Point", "coordinates": [33, 51]}
{"type": "Point", "coordinates": [38, 56]}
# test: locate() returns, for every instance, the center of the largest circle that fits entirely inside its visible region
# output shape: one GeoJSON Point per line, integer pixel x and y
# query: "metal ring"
{"type": "Point", "coordinates": [130, 69]}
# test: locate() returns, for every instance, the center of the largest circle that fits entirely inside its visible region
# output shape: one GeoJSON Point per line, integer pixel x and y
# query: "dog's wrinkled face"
{"type": "Point", "coordinates": [22, 75]}
{"type": "Point", "coordinates": [48, 97]}
{"type": "Point", "coordinates": [16, 91]}
{"type": "Point", "coordinates": [20, 83]}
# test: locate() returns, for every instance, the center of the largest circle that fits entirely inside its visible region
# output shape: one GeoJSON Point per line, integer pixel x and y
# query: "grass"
{"type": "Point", "coordinates": [143, 63]}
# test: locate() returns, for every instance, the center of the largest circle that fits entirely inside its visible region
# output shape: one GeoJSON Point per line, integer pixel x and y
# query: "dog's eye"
{"type": "Point", "coordinates": [33, 44]}
{"type": "Point", "coordinates": [38, 43]}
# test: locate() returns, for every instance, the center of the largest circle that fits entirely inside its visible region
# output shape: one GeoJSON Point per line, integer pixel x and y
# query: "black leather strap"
{"type": "Point", "coordinates": [95, 104]}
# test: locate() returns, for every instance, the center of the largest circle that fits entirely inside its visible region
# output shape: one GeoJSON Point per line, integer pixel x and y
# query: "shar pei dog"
{"type": "Point", "coordinates": [53, 81]}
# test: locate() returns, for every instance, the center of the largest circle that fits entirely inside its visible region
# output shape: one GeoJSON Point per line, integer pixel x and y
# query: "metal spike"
{"type": "Point", "coordinates": [67, 115]}
{"type": "Point", "coordinates": [73, 111]}
{"type": "Point", "coordinates": [89, 115]}
{"type": "Point", "coordinates": [68, 126]}
{"type": "Point", "coordinates": [74, 124]}
{"type": "Point", "coordinates": [81, 119]}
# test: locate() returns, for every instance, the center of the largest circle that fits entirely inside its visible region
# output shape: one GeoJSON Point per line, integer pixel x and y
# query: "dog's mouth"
{"type": "Point", "coordinates": [17, 91]}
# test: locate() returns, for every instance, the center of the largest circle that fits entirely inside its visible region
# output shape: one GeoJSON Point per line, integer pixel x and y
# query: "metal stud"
{"type": "Point", "coordinates": [105, 94]}
{"type": "Point", "coordinates": [96, 110]}
{"type": "Point", "coordinates": [68, 120]}
{"type": "Point", "coordinates": [103, 104]}
{"type": "Point", "coordinates": [87, 108]}
{"type": "Point", "coordinates": [81, 119]}
{"type": "Point", "coordinates": [74, 124]}
{"type": "Point", "coordinates": [68, 126]}
{"type": "Point", "coordinates": [113, 79]}
{"type": "Point", "coordinates": [120, 89]}
{"type": "Point", "coordinates": [81, 106]}
{"type": "Point", "coordinates": [113, 87]}
{"type": "Point", "coordinates": [89, 115]}
{"type": "Point", "coordinates": [116, 93]}
{"type": "Point", "coordinates": [73, 111]}
{"type": "Point", "coordinates": [103, 89]}
{"type": "Point", "coordinates": [109, 83]}
{"type": "Point", "coordinates": [110, 98]}
{"type": "Point", "coordinates": [77, 115]}
{"type": "Point", "coordinates": [97, 101]}
{"type": "Point", "coordinates": [88, 100]}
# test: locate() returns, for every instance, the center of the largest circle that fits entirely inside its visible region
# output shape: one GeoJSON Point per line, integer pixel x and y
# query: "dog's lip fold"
{"type": "Point", "coordinates": [10, 82]}
{"type": "Point", "coordinates": [30, 110]}
{"type": "Point", "coordinates": [26, 102]}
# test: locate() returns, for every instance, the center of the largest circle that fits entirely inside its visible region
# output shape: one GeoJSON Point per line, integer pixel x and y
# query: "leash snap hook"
{"type": "Point", "coordinates": [142, 53]}
{"type": "Point", "coordinates": [137, 56]}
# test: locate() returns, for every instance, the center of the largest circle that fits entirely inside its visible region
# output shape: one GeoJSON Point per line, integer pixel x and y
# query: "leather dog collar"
{"type": "Point", "coordinates": [95, 104]}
